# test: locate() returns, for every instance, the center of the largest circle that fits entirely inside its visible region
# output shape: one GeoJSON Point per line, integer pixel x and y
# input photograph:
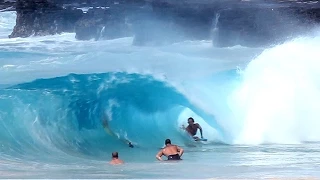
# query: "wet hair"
{"type": "Point", "coordinates": [115, 155]}
{"type": "Point", "coordinates": [167, 141]}
{"type": "Point", "coordinates": [190, 118]}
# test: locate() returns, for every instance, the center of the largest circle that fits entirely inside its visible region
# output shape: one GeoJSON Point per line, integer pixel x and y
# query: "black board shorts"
{"type": "Point", "coordinates": [174, 157]}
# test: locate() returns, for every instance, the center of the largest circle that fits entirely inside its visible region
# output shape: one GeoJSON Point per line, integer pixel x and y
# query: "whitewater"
{"type": "Point", "coordinates": [259, 107]}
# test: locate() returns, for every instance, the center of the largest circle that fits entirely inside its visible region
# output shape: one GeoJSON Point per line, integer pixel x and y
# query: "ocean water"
{"type": "Point", "coordinates": [259, 107]}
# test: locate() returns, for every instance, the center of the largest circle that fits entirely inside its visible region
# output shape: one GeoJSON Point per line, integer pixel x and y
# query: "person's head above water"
{"type": "Point", "coordinates": [115, 155]}
{"type": "Point", "coordinates": [190, 120]}
{"type": "Point", "coordinates": [115, 159]}
{"type": "Point", "coordinates": [167, 141]}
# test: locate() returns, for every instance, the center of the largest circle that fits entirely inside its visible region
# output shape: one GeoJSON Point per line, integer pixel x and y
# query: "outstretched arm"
{"type": "Point", "coordinates": [105, 124]}
{"type": "Point", "coordinates": [158, 156]}
{"type": "Point", "coordinates": [200, 128]}
{"type": "Point", "coordinates": [185, 128]}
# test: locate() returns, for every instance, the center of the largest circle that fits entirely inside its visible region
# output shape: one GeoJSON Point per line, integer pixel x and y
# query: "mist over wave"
{"type": "Point", "coordinates": [7, 22]}
{"type": "Point", "coordinates": [278, 98]}
{"type": "Point", "coordinates": [239, 95]}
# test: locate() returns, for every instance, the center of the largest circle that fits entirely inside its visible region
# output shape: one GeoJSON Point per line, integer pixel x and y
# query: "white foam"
{"type": "Point", "coordinates": [279, 98]}
{"type": "Point", "coordinates": [7, 22]}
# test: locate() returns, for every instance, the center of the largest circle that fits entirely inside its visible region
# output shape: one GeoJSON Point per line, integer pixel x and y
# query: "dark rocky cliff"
{"type": "Point", "coordinates": [226, 23]}
{"type": "Point", "coordinates": [43, 17]}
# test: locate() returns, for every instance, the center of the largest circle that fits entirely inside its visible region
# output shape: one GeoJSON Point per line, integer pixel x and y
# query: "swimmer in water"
{"type": "Point", "coordinates": [105, 125]}
{"type": "Point", "coordinates": [115, 159]}
{"type": "Point", "coordinates": [173, 152]}
{"type": "Point", "coordinates": [192, 129]}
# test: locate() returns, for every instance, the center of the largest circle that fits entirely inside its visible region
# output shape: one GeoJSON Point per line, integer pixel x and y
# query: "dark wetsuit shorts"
{"type": "Point", "coordinates": [174, 157]}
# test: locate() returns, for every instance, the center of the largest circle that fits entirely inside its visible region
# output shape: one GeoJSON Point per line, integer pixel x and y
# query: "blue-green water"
{"type": "Point", "coordinates": [259, 108]}
{"type": "Point", "coordinates": [225, 162]}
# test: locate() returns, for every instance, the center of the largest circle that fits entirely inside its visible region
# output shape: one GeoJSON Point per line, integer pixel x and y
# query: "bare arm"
{"type": "Point", "coordinates": [200, 130]}
{"type": "Point", "coordinates": [180, 150]}
{"type": "Point", "coordinates": [186, 129]}
{"type": "Point", "coordinates": [158, 156]}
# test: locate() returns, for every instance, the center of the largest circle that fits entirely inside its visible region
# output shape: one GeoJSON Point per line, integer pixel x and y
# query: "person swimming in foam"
{"type": "Point", "coordinates": [173, 152]}
{"type": "Point", "coordinates": [115, 159]}
{"type": "Point", "coordinates": [105, 125]}
{"type": "Point", "coordinates": [192, 129]}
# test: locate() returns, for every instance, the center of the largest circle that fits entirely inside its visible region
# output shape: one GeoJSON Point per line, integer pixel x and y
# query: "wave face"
{"type": "Point", "coordinates": [66, 113]}
{"type": "Point", "coordinates": [56, 91]}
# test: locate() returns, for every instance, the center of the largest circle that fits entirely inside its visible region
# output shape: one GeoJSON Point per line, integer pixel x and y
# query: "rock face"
{"type": "Point", "coordinates": [7, 5]}
{"type": "Point", "coordinates": [43, 17]}
{"type": "Point", "coordinates": [157, 22]}
{"type": "Point", "coordinates": [100, 23]}
{"type": "Point", "coordinates": [114, 19]}
{"type": "Point", "coordinates": [260, 27]}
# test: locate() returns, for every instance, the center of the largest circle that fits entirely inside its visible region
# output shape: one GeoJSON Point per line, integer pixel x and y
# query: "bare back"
{"type": "Point", "coordinates": [116, 161]}
{"type": "Point", "coordinates": [173, 152]}
{"type": "Point", "coordinates": [170, 150]}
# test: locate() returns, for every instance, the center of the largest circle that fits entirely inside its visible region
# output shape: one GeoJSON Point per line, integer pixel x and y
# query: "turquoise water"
{"type": "Point", "coordinates": [225, 162]}
{"type": "Point", "coordinates": [259, 108]}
